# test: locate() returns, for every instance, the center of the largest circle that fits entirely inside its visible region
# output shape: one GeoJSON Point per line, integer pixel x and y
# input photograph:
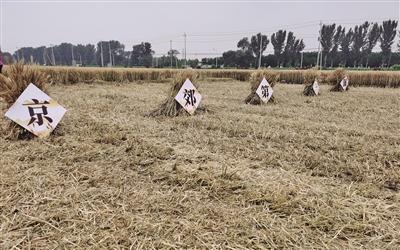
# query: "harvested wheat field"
{"type": "Point", "coordinates": [304, 172]}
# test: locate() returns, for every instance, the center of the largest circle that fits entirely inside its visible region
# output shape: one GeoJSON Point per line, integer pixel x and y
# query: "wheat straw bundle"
{"type": "Point", "coordinates": [335, 78]}
{"type": "Point", "coordinates": [170, 107]}
{"type": "Point", "coordinates": [12, 84]}
{"type": "Point", "coordinates": [255, 79]}
{"type": "Point", "coordinates": [309, 76]}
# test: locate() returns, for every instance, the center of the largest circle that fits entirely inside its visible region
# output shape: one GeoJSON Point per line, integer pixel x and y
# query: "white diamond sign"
{"type": "Point", "coordinates": [188, 97]}
{"type": "Point", "coordinates": [36, 111]}
{"type": "Point", "coordinates": [344, 83]}
{"type": "Point", "coordinates": [316, 87]}
{"type": "Point", "coordinates": [264, 90]}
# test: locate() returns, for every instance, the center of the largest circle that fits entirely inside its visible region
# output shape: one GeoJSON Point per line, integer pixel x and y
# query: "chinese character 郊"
{"type": "Point", "coordinates": [189, 97]}
{"type": "Point", "coordinates": [264, 91]}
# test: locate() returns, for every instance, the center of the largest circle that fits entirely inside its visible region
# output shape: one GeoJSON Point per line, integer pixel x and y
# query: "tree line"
{"type": "Point", "coordinates": [353, 48]}
{"type": "Point", "coordinates": [105, 53]}
{"type": "Point", "coordinates": [287, 49]}
{"type": "Point", "coordinates": [340, 47]}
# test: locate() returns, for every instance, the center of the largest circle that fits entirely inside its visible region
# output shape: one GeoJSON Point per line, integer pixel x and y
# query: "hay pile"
{"type": "Point", "coordinates": [12, 84]}
{"type": "Point", "coordinates": [255, 79]}
{"type": "Point", "coordinates": [170, 107]}
{"type": "Point", "coordinates": [308, 79]}
{"type": "Point", "coordinates": [335, 78]}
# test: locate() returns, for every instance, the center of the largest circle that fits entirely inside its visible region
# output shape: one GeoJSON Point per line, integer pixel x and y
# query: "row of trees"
{"type": "Point", "coordinates": [106, 53]}
{"type": "Point", "coordinates": [351, 48]}
{"type": "Point", "coordinates": [357, 44]}
{"type": "Point", "coordinates": [287, 49]}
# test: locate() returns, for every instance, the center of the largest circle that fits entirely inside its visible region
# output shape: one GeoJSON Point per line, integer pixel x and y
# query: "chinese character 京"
{"type": "Point", "coordinates": [38, 112]}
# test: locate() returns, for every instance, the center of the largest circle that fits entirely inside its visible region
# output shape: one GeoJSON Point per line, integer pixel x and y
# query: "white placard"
{"type": "Point", "coordinates": [264, 90]}
{"type": "Point", "coordinates": [188, 97]}
{"type": "Point", "coordinates": [316, 87]}
{"type": "Point", "coordinates": [36, 111]}
{"type": "Point", "coordinates": [344, 83]}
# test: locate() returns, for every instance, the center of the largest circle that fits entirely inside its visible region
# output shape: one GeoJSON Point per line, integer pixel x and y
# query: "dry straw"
{"type": "Point", "coordinates": [73, 75]}
{"type": "Point", "coordinates": [335, 78]}
{"type": "Point", "coordinates": [12, 84]}
{"type": "Point", "coordinates": [170, 107]}
{"type": "Point", "coordinates": [309, 77]}
{"type": "Point", "coordinates": [255, 79]}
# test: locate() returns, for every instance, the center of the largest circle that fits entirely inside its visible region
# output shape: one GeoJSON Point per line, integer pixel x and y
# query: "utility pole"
{"type": "Point", "coordinates": [101, 54]}
{"type": "Point", "coordinates": [319, 45]}
{"type": "Point", "coordinates": [109, 49]}
{"type": "Point", "coordinates": [72, 52]}
{"type": "Point", "coordinates": [320, 59]}
{"type": "Point", "coordinates": [184, 36]}
{"type": "Point", "coordinates": [52, 54]}
{"type": "Point", "coordinates": [301, 60]}
{"type": "Point", "coordinates": [17, 55]}
{"type": "Point", "coordinates": [259, 60]}
{"type": "Point", "coordinates": [216, 58]}
{"type": "Point", "coordinates": [44, 58]}
{"type": "Point", "coordinates": [170, 50]}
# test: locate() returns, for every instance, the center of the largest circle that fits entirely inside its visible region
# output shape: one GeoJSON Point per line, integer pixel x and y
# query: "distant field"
{"type": "Point", "coordinates": [306, 172]}
{"type": "Point", "coordinates": [73, 75]}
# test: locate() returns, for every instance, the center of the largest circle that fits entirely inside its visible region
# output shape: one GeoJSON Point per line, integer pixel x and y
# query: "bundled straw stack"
{"type": "Point", "coordinates": [12, 84]}
{"type": "Point", "coordinates": [308, 79]}
{"type": "Point", "coordinates": [170, 107]}
{"type": "Point", "coordinates": [255, 79]}
{"type": "Point", "coordinates": [335, 78]}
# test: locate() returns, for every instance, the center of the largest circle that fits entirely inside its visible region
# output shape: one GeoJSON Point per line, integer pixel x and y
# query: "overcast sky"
{"type": "Point", "coordinates": [211, 26]}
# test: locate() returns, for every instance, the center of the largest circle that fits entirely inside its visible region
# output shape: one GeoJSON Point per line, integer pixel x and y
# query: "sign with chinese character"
{"type": "Point", "coordinates": [344, 83]}
{"type": "Point", "coordinates": [188, 97]}
{"type": "Point", "coordinates": [316, 87]}
{"type": "Point", "coordinates": [36, 112]}
{"type": "Point", "coordinates": [264, 91]}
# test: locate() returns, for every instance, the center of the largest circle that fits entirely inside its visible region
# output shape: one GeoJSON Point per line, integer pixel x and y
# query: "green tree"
{"type": "Point", "coordinates": [398, 45]}
{"type": "Point", "coordinates": [244, 59]}
{"type": "Point", "coordinates": [359, 41]}
{"type": "Point", "coordinates": [101, 52]}
{"type": "Point", "coordinates": [278, 42]}
{"type": "Point", "coordinates": [25, 54]}
{"type": "Point", "coordinates": [292, 49]}
{"type": "Point", "coordinates": [117, 52]}
{"type": "Point", "coordinates": [113, 48]}
{"type": "Point", "coordinates": [85, 54]}
{"type": "Point", "coordinates": [174, 54]}
{"type": "Point", "coordinates": [345, 45]}
{"type": "Point", "coordinates": [297, 49]}
{"type": "Point", "coordinates": [258, 45]}
{"type": "Point", "coordinates": [244, 43]}
{"type": "Point", "coordinates": [327, 40]}
{"type": "Point", "coordinates": [372, 38]}
{"type": "Point", "coordinates": [336, 43]}
{"type": "Point", "coordinates": [7, 58]}
{"type": "Point", "coordinates": [388, 33]}
{"type": "Point", "coordinates": [229, 58]}
{"type": "Point", "coordinates": [142, 55]}
{"type": "Point", "coordinates": [63, 54]}
{"type": "Point", "coordinates": [288, 48]}
{"type": "Point", "coordinates": [239, 58]}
